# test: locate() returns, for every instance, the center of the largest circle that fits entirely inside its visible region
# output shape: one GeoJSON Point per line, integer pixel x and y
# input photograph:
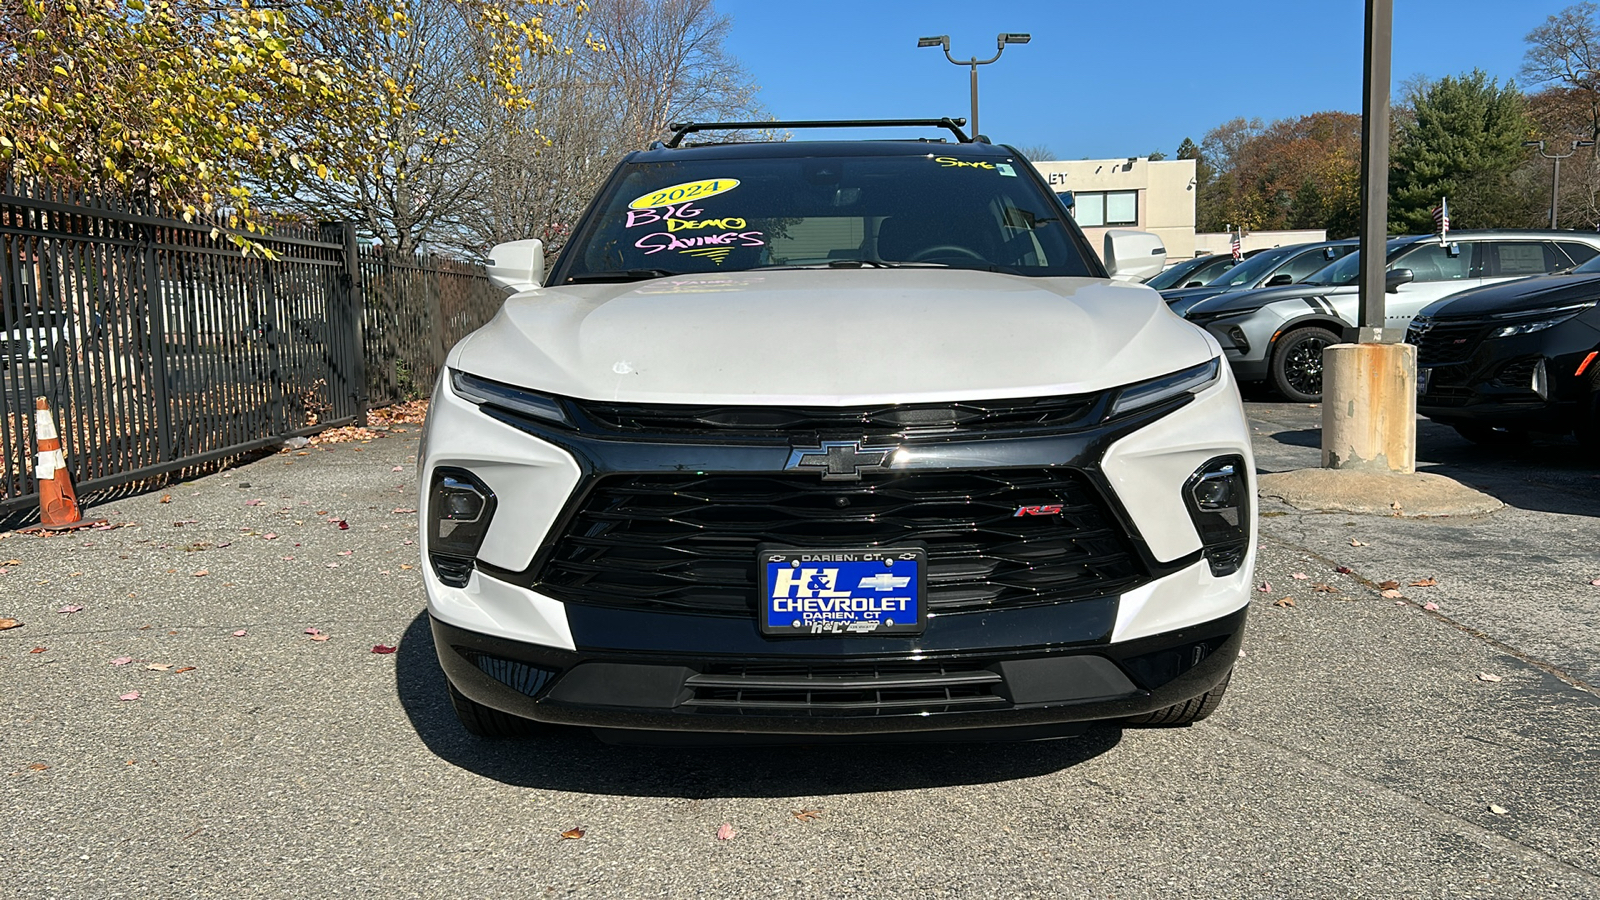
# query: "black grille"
{"type": "Point", "coordinates": [519, 676]}
{"type": "Point", "coordinates": [688, 542]}
{"type": "Point", "coordinates": [1443, 343]}
{"type": "Point", "coordinates": [986, 416]}
{"type": "Point", "coordinates": [845, 689]}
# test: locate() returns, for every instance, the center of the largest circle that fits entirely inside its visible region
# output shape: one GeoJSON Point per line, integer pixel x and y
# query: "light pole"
{"type": "Point", "coordinates": [1001, 41]}
{"type": "Point", "coordinates": [1555, 177]}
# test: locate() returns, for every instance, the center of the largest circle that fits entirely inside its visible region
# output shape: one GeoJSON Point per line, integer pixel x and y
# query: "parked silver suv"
{"type": "Point", "coordinates": [1277, 334]}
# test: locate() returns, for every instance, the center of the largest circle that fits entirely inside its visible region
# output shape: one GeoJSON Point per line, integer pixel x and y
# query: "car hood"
{"type": "Point", "coordinates": [1255, 299]}
{"type": "Point", "coordinates": [831, 337]}
{"type": "Point", "coordinates": [1525, 295]}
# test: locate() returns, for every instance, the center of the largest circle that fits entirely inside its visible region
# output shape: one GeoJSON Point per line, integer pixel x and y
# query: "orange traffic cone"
{"type": "Point", "coordinates": [58, 504]}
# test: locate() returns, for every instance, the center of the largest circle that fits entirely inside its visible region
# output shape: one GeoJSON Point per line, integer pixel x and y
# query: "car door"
{"type": "Point", "coordinates": [1438, 270]}
{"type": "Point", "coordinates": [1298, 267]}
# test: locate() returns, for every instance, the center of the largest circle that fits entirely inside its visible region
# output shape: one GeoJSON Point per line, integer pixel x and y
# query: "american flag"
{"type": "Point", "coordinates": [1441, 217]}
{"type": "Point", "coordinates": [1234, 243]}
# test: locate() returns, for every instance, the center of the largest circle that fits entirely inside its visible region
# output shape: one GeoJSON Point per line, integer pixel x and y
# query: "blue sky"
{"type": "Point", "coordinates": [1106, 80]}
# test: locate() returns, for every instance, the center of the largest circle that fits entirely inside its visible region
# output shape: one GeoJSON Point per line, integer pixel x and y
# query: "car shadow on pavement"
{"type": "Point", "coordinates": [574, 760]}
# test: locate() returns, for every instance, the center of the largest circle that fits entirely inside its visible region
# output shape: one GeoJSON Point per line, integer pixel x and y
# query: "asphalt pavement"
{"type": "Point", "coordinates": [1441, 743]}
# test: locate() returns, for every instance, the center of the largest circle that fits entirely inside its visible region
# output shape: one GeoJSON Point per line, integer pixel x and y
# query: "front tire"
{"type": "Point", "coordinates": [485, 721]}
{"type": "Point", "coordinates": [1186, 713]}
{"type": "Point", "coordinates": [1296, 366]}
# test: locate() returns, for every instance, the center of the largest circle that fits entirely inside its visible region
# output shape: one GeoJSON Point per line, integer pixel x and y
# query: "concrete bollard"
{"type": "Point", "coordinates": [1369, 407]}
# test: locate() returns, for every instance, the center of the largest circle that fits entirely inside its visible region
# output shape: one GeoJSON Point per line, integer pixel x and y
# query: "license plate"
{"type": "Point", "coordinates": [1423, 377]}
{"type": "Point", "coordinates": [843, 592]}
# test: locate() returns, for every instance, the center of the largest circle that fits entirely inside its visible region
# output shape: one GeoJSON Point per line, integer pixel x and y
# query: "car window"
{"type": "Point", "coordinates": [1303, 265]}
{"type": "Point", "coordinates": [703, 214]}
{"type": "Point", "coordinates": [1577, 253]}
{"type": "Point", "coordinates": [1512, 259]}
{"type": "Point", "coordinates": [1212, 270]}
{"type": "Point", "coordinates": [1253, 269]}
{"type": "Point", "coordinates": [1429, 261]}
{"type": "Point", "coordinates": [1178, 275]}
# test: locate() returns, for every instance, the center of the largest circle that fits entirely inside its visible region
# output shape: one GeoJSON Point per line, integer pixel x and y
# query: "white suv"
{"type": "Point", "coordinates": [834, 439]}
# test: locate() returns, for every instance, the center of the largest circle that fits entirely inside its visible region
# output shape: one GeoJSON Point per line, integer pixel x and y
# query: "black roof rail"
{"type": "Point", "coordinates": [680, 129]}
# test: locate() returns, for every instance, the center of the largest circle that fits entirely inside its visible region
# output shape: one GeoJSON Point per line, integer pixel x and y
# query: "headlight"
{"type": "Point", "coordinates": [1550, 321]}
{"type": "Point", "coordinates": [1157, 390]}
{"type": "Point", "coordinates": [484, 392]}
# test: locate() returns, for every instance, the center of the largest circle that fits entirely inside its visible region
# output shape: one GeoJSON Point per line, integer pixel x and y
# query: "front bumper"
{"type": "Point", "coordinates": [1493, 383]}
{"type": "Point", "coordinates": [982, 687]}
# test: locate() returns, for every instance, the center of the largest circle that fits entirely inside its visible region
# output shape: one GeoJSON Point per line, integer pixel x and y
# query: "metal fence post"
{"type": "Point", "coordinates": [156, 334]}
{"type": "Point", "coordinates": [345, 324]}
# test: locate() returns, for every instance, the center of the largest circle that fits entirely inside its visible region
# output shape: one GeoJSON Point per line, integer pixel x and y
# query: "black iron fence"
{"type": "Point", "coordinates": [161, 347]}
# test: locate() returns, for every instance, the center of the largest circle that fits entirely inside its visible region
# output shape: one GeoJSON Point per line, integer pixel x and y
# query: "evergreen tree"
{"type": "Point", "coordinates": [1462, 140]}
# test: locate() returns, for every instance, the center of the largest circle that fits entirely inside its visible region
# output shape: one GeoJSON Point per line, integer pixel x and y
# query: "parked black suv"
{"type": "Point", "coordinates": [1499, 361]}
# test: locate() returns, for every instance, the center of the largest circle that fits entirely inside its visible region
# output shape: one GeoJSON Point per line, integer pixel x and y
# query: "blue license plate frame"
{"type": "Point", "coordinates": [855, 592]}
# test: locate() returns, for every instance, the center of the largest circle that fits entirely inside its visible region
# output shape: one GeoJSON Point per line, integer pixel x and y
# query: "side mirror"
{"type": "Point", "coordinates": [517, 265]}
{"type": "Point", "coordinates": [1397, 277]}
{"type": "Point", "coordinates": [1194, 284]}
{"type": "Point", "coordinates": [1134, 255]}
{"type": "Point", "coordinates": [1280, 278]}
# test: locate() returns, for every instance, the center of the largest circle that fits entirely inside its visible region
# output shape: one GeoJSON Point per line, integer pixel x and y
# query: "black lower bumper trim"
{"type": "Point", "coordinates": [882, 694]}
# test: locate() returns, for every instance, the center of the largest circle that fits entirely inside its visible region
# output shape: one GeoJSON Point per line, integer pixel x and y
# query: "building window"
{"type": "Point", "coordinates": [1094, 209]}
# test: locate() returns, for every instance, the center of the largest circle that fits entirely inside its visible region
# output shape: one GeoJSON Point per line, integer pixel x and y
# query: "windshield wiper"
{"type": "Point", "coordinates": [623, 275]}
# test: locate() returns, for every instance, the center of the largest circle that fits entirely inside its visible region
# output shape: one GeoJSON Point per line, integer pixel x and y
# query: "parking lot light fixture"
{"type": "Point", "coordinates": [1555, 171]}
{"type": "Point", "coordinates": [1001, 40]}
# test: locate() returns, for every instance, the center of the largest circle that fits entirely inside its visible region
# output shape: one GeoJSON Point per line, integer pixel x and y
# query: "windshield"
{"type": "Point", "coordinates": [717, 215]}
{"type": "Point", "coordinates": [1253, 269]}
{"type": "Point", "coordinates": [1179, 274]}
{"type": "Point", "coordinates": [1346, 269]}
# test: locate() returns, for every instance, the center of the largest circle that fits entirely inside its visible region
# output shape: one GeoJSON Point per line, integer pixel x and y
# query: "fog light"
{"type": "Point", "coordinates": [459, 510]}
{"type": "Point", "coordinates": [1218, 498]}
{"type": "Point", "coordinates": [1240, 342]}
{"type": "Point", "coordinates": [1540, 381]}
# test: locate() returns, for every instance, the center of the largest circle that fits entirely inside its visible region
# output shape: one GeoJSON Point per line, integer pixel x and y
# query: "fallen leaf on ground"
{"type": "Point", "coordinates": [38, 649]}
{"type": "Point", "coordinates": [313, 631]}
{"type": "Point", "coordinates": [1424, 582]}
{"type": "Point", "coordinates": [38, 767]}
{"type": "Point", "coordinates": [269, 536]}
{"type": "Point", "coordinates": [159, 667]}
{"type": "Point", "coordinates": [8, 624]}
{"type": "Point", "coordinates": [11, 562]}
{"type": "Point", "coordinates": [122, 660]}
{"type": "Point", "coordinates": [201, 574]}
{"type": "Point", "coordinates": [131, 695]}
{"type": "Point", "coordinates": [807, 815]}
{"type": "Point", "coordinates": [1392, 594]}
{"type": "Point", "coordinates": [319, 637]}
{"type": "Point", "coordinates": [726, 832]}
{"type": "Point", "coordinates": [572, 834]}
{"type": "Point", "coordinates": [165, 498]}
{"type": "Point", "coordinates": [401, 510]}
{"type": "Point", "coordinates": [1299, 576]}
{"type": "Point", "coordinates": [252, 503]}
{"type": "Point", "coordinates": [1498, 810]}
{"type": "Point", "coordinates": [382, 648]}
{"type": "Point", "coordinates": [1344, 570]}
{"type": "Point", "coordinates": [1265, 588]}
{"type": "Point", "coordinates": [1595, 582]}
{"type": "Point", "coordinates": [1283, 601]}
{"type": "Point", "coordinates": [333, 565]}
{"type": "Point", "coordinates": [182, 669]}
{"type": "Point", "coordinates": [407, 566]}
{"type": "Point", "coordinates": [1430, 607]}
{"type": "Point", "coordinates": [240, 633]}
{"type": "Point", "coordinates": [345, 552]}
{"type": "Point", "coordinates": [1356, 543]}
{"type": "Point", "coordinates": [398, 469]}
{"type": "Point", "coordinates": [1388, 585]}
{"type": "Point", "coordinates": [343, 525]}
{"type": "Point", "coordinates": [1485, 676]}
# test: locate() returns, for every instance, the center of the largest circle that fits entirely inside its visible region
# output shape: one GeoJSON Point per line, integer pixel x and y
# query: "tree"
{"type": "Point", "coordinates": [181, 102]}
{"type": "Point", "coordinates": [1156, 156]}
{"type": "Point", "coordinates": [1463, 140]}
{"type": "Point", "coordinates": [1037, 152]}
{"type": "Point", "coordinates": [1564, 54]}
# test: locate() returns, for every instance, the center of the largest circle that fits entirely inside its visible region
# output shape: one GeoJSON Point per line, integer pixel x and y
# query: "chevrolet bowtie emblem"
{"type": "Point", "coordinates": [838, 460]}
